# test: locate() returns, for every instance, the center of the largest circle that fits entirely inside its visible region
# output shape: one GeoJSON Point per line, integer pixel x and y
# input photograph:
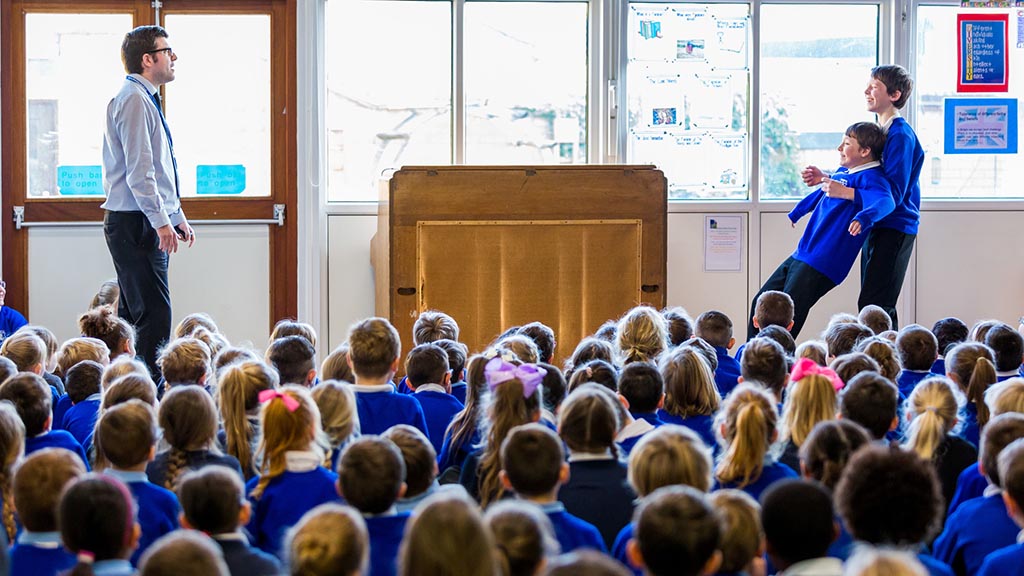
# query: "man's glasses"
{"type": "Point", "coordinates": [169, 50]}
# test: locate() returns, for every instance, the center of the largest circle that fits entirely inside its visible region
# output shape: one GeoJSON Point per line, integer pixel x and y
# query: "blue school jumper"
{"type": "Point", "coordinates": [571, 532]}
{"type": "Point", "coordinates": [10, 321]}
{"type": "Point", "coordinates": [60, 409]}
{"type": "Point", "coordinates": [56, 439]}
{"type": "Point", "coordinates": [978, 528]}
{"type": "Point", "coordinates": [619, 549]}
{"type": "Point", "coordinates": [728, 372]}
{"type": "Point", "coordinates": [459, 391]}
{"type": "Point", "coordinates": [970, 485]}
{"type": "Point", "coordinates": [939, 367]}
{"type": "Point", "coordinates": [451, 455]}
{"type": "Point", "coordinates": [1004, 376]}
{"type": "Point", "coordinates": [385, 533]}
{"type": "Point", "coordinates": [303, 486]}
{"type": "Point", "coordinates": [935, 567]}
{"type": "Point", "coordinates": [40, 554]}
{"type": "Point", "coordinates": [380, 408]}
{"type": "Point", "coordinates": [599, 481]}
{"type": "Point", "coordinates": [702, 425]}
{"type": "Point", "coordinates": [194, 460]}
{"type": "Point", "coordinates": [157, 508]}
{"type": "Point", "coordinates": [908, 379]}
{"type": "Point", "coordinates": [770, 474]}
{"type": "Point", "coordinates": [842, 547]}
{"type": "Point", "coordinates": [1004, 562]}
{"type": "Point", "coordinates": [80, 419]}
{"type": "Point", "coordinates": [439, 408]}
{"type": "Point", "coordinates": [903, 159]}
{"type": "Point", "coordinates": [244, 560]}
{"type": "Point", "coordinates": [970, 430]}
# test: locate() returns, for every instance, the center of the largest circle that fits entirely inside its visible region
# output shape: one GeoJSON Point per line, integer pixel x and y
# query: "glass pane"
{"type": "Point", "coordinates": [957, 175]}
{"type": "Point", "coordinates": [389, 91]}
{"type": "Point", "coordinates": [804, 114]}
{"type": "Point", "coordinates": [526, 82]}
{"type": "Point", "coordinates": [220, 117]}
{"type": "Point", "coordinates": [72, 70]}
{"type": "Point", "coordinates": [687, 84]}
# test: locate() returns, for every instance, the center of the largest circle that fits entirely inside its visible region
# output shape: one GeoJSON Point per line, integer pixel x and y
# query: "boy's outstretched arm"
{"type": "Point", "coordinates": [805, 206]}
{"type": "Point", "coordinates": [876, 196]}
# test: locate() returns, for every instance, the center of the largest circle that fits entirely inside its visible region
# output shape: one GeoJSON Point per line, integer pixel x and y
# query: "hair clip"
{"type": "Point", "coordinates": [498, 370]}
{"type": "Point", "coordinates": [290, 403]}
{"type": "Point", "coordinates": [85, 557]}
{"type": "Point", "coordinates": [806, 367]}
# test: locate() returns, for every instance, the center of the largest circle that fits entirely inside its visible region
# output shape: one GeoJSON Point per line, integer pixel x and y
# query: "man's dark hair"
{"type": "Point", "coordinates": [918, 348]}
{"type": "Point", "coordinates": [426, 364]}
{"type": "Point", "coordinates": [642, 385]}
{"type": "Point", "coordinates": [949, 332]}
{"type": "Point", "coordinates": [1008, 346]}
{"type": "Point", "coordinates": [138, 42]}
{"type": "Point", "coordinates": [798, 521]}
{"type": "Point", "coordinates": [870, 400]}
{"type": "Point", "coordinates": [715, 327]}
{"type": "Point", "coordinates": [543, 337]}
{"type": "Point", "coordinates": [895, 78]}
{"type": "Point", "coordinates": [292, 357]}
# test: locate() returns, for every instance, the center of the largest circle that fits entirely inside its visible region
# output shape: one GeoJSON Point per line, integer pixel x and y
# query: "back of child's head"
{"type": "Point", "coordinates": [543, 336]}
{"type": "Point", "coordinates": [589, 422]}
{"type": "Point", "coordinates": [127, 433]}
{"type": "Point", "coordinates": [932, 411]}
{"type": "Point", "coordinates": [774, 308]}
{"type": "Point", "coordinates": [447, 537]}
{"type": "Point", "coordinates": [706, 350]}
{"type": "Point", "coordinates": [183, 552]}
{"type": "Point", "coordinates": [842, 338]}
{"type": "Point", "coordinates": [782, 336]}
{"type": "Point", "coordinates": [668, 455]}
{"type": "Point", "coordinates": [828, 449]}
{"type": "Point", "coordinates": [848, 366]}
{"type": "Point", "coordinates": [49, 339]}
{"type": "Point", "coordinates": [211, 499]}
{"type": "Point", "coordinates": [842, 318]}
{"type": "Point", "coordinates": [868, 135]}
{"type": "Point", "coordinates": [7, 368]}
{"type": "Point", "coordinates": [643, 386]}
{"type": "Point", "coordinates": [523, 535]}
{"type": "Point", "coordinates": [83, 380]}
{"type": "Point", "coordinates": [895, 78]}
{"type": "Point", "coordinates": [1006, 396]}
{"type": "Point", "coordinates": [589, 348]}
{"type": "Point", "coordinates": [677, 532]}
{"type": "Point", "coordinates": [764, 361]}
{"type": "Point", "coordinates": [715, 327]}
{"type": "Point", "coordinates": [338, 415]}
{"type": "Point", "coordinates": [195, 320]}
{"type": "Point", "coordinates": [419, 456]}
{"type": "Point", "coordinates": [32, 398]}
{"type": "Point", "coordinates": [371, 474]}
{"type": "Point", "coordinates": [26, 350]}
{"type": "Point", "coordinates": [188, 420]}
{"type": "Point", "coordinates": [75, 350]}
{"type": "Point", "coordinates": [798, 521]}
{"type": "Point", "coordinates": [596, 371]}
{"type": "Point", "coordinates": [128, 387]}
{"type": "Point", "coordinates": [215, 341]}
{"type": "Point", "coordinates": [949, 332]}
{"type": "Point", "coordinates": [875, 318]}
{"type": "Point", "coordinates": [585, 561]}
{"type": "Point", "coordinates": [121, 366]}
{"type": "Point", "coordinates": [553, 387]}
{"type": "Point", "coordinates": [809, 400]}
{"type": "Point", "coordinates": [813, 349]}
{"type": "Point", "coordinates": [238, 392]}
{"type": "Point", "coordinates": [869, 561]}
{"type": "Point", "coordinates": [523, 347]}
{"type": "Point", "coordinates": [980, 330]}
{"type": "Point", "coordinates": [231, 355]}
{"type": "Point", "coordinates": [1011, 471]}
{"type": "Point", "coordinates": [426, 364]}
{"type": "Point", "coordinates": [971, 365]}
{"type": "Point", "coordinates": [641, 335]}
{"type": "Point", "coordinates": [999, 433]}
{"type": "Point", "coordinates": [288, 327]}
{"type": "Point", "coordinates": [747, 423]}
{"type": "Point", "coordinates": [884, 352]}
{"type": "Point", "coordinates": [329, 540]}
{"type": "Point", "coordinates": [917, 347]}
{"type": "Point", "coordinates": [680, 325]}
{"type": "Point", "coordinates": [739, 518]}
{"type": "Point", "coordinates": [532, 459]}
{"type": "Point", "coordinates": [36, 488]}
{"type": "Point", "coordinates": [294, 358]}
{"type": "Point", "coordinates": [185, 361]}
{"type": "Point", "coordinates": [289, 421]}
{"type": "Point", "coordinates": [1008, 346]}
{"type": "Point", "coordinates": [12, 446]}
{"type": "Point", "coordinates": [107, 295]}
{"type": "Point", "coordinates": [607, 331]}
{"type": "Point", "coordinates": [96, 518]}
{"type": "Point", "coordinates": [433, 325]}
{"type": "Point", "coordinates": [335, 366]}
{"type": "Point", "coordinates": [104, 324]}
{"type": "Point", "coordinates": [689, 383]}
{"type": "Point", "coordinates": [374, 345]}
{"type": "Point", "coordinates": [871, 400]}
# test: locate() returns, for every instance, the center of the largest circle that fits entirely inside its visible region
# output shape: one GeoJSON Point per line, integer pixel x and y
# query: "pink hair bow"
{"type": "Point", "coordinates": [290, 403]}
{"type": "Point", "coordinates": [806, 367]}
{"type": "Point", "coordinates": [498, 370]}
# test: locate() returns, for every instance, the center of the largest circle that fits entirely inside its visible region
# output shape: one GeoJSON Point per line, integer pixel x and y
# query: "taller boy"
{"type": "Point", "coordinates": [886, 252]}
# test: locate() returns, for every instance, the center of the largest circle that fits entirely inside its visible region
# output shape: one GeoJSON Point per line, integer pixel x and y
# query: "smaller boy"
{"type": "Point", "coordinates": [643, 387]}
{"type": "Point", "coordinates": [716, 328]}
{"type": "Point", "coordinates": [875, 318]}
{"type": "Point", "coordinates": [764, 362]}
{"type": "Point", "coordinates": [771, 308]}
{"type": "Point", "coordinates": [871, 400]}
{"type": "Point", "coordinates": [677, 534]}
{"type": "Point", "coordinates": [82, 382]}
{"type": "Point", "coordinates": [294, 358]}
{"type": "Point", "coordinates": [533, 466]}
{"type": "Point", "coordinates": [371, 479]}
{"type": "Point", "coordinates": [427, 374]}
{"type": "Point", "coordinates": [948, 332]}
{"type": "Point", "coordinates": [799, 526]}
{"type": "Point", "coordinates": [374, 353]}
{"type": "Point", "coordinates": [420, 466]}
{"type": "Point", "coordinates": [843, 337]}
{"type": "Point", "coordinates": [37, 488]}
{"type": "Point", "coordinates": [1008, 346]}
{"type": "Point", "coordinates": [1007, 561]}
{"type": "Point", "coordinates": [213, 501]}
{"type": "Point", "coordinates": [457, 355]}
{"type": "Point", "coordinates": [918, 350]}
{"type": "Point", "coordinates": [31, 397]}
{"type": "Point", "coordinates": [185, 361]}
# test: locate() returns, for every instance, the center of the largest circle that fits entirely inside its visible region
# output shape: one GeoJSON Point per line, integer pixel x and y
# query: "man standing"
{"type": "Point", "coordinates": [143, 221]}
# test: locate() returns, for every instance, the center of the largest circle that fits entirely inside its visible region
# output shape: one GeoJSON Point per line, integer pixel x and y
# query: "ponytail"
{"type": "Point", "coordinates": [750, 418]}
{"type": "Point", "coordinates": [933, 406]}
{"type": "Point", "coordinates": [983, 376]}
{"type": "Point", "coordinates": [508, 409]}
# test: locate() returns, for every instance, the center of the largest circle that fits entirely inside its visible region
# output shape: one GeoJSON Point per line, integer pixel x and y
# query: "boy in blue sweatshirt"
{"type": "Point", "coordinates": [31, 397]}
{"type": "Point", "coordinates": [835, 232]}
{"type": "Point", "coordinates": [457, 355]}
{"type": "Point", "coordinates": [1007, 561]}
{"type": "Point", "coordinates": [643, 387]}
{"type": "Point", "coordinates": [427, 374]}
{"type": "Point", "coordinates": [83, 386]}
{"type": "Point", "coordinates": [716, 329]}
{"type": "Point", "coordinates": [918, 350]}
{"type": "Point", "coordinates": [533, 466]}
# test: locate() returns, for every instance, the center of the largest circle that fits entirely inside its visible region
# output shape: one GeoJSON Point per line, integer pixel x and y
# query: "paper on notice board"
{"type": "Point", "coordinates": [722, 243]}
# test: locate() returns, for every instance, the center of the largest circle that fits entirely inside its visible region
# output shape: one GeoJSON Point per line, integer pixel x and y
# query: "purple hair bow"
{"type": "Point", "coordinates": [806, 367]}
{"type": "Point", "coordinates": [498, 370]}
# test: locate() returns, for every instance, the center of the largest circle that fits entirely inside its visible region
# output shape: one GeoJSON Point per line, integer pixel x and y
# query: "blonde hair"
{"type": "Point", "coordinates": [329, 540]}
{"type": "Point", "coordinates": [189, 323]}
{"type": "Point", "coordinates": [335, 366]}
{"type": "Point", "coordinates": [689, 384]}
{"type": "Point", "coordinates": [75, 350]}
{"type": "Point", "coordinates": [185, 361]}
{"type": "Point", "coordinates": [739, 517]}
{"type": "Point", "coordinates": [641, 335]}
{"type": "Point", "coordinates": [524, 348]}
{"type": "Point", "coordinates": [338, 414]}
{"type": "Point", "coordinates": [288, 327]}
{"type": "Point", "coordinates": [869, 561]}
{"type": "Point", "coordinates": [12, 446]}
{"type": "Point", "coordinates": [933, 407]}
{"type": "Point", "coordinates": [810, 400]}
{"type": "Point", "coordinates": [1006, 396]}
{"type": "Point", "coordinates": [183, 552]}
{"type": "Point", "coordinates": [233, 354]}
{"type": "Point", "coordinates": [213, 340]}
{"type": "Point", "coordinates": [668, 455]}
{"type": "Point", "coordinates": [50, 340]}
{"type": "Point", "coordinates": [815, 350]}
{"type": "Point", "coordinates": [238, 396]}
{"type": "Point", "coordinates": [285, 430]}
{"type": "Point", "coordinates": [188, 419]}
{"type": "Point", "coordinates": [122, 366]}
{"type": "Point", "coordinates": [128, 387]}
{"type": "Point", "coordinates": [972, 367]}
{"type": "Point", "coordinates": [507, 408]}
{"type": "Point", "coordinates": [447, 537]}
{"type": "Point", "coordinates": [884, 352]}
{"type": "Point", "coordinates": [25, 349]}
{"type": "Point", "coordinates": [749, 418]}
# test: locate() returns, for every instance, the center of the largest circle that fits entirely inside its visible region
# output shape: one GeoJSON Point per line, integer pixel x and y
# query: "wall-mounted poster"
{"type": "Point", "coordinates": [980, 126]}
{"type": "Point", "coordinates": [983, 62]}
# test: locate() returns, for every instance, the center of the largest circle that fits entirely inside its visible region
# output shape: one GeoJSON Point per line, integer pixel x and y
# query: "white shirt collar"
{"type": "Point", "coordinates": [236, 536]}
{"type": "Point", "coordinates": [1008, 373]}
{"type": "Point", "coordinates": [145, 83]}
{"type": "Point", "coordinates": [430, 388]}
{"type": "Point", "coordinates": [372, 388]}
{"type": "Point", "coordinates": [815, 567]}
{"type": "Point", "coordinates": [888, 123]}
{"type": "Point", "coordinates": [302, 460]}
{"type": "Point", "coordinates": [588, 457]}
{"type": "Point", "coordinates": [991, 490]}
{"type": "Point", "coordinates": [637, 428]}
{"type": "Point", "coordinates": [862, 167]}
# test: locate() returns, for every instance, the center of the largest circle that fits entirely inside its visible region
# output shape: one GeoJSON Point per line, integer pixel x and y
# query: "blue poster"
{"type": "Point", "coordinates": [980, 126]}
{"type": "Point", "coordinates": [982, 59]}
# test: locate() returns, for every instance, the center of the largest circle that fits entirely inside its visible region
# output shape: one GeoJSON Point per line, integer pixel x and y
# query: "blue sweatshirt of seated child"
{"type": "Point", "coordinates": [40, 554]}
{"type": "Point", "coordinates": [385, 531]}
{"type": "Point", "coordinates": [571, 532]}
{"type": "Point", "coordinates": [907, 380]}
{"type": "Point", "coordinates": [157, 508]}
{"type": "Point", "coordinates": [439, 408]}
{"type": "Point", "coordinates": [380, 408]}
{"type": "Point", "coordinates": [56, 439]}
{"type": "Point", "coordinates": [978, 528]}
{"type": "Point", "coordinates": [80, 419]}
{"type": "Point", "coordinates": [1004, 562]}
{"type": "Point", "coordinates": [727, 374]}
{"type": "Point", "coordinates": [826, 244]}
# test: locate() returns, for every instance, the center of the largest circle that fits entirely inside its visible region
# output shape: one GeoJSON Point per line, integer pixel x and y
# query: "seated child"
{"type": "Point", "coordinates": [918, 350]}
{"type": "Point", "coordinates": [716, 328]}
{"type": "Point", "coordinates": [971, 366]}
{"type": "Point", "coordinates": [184, 552]}
{"type": "Point", "coordinates": [870, 561]}
{"type": "Point", "coordinates": [764, 362]}
{"type": "Point", "coordinates": [329, 540]}
{"type": "Point", "coordinates": [680, 325]}
{"type": "Point", "coordinates": [97, 525]}
{"type": "Point", "coordinates": [544, 337]}
{"type": "Point", "coordinates": [589, 562]}
{"type": "Point", "coordinates": [533, 466]}
{"type": "Point", "coordinates": [1007, 561]}
{"type": "Point", "coordinates": [12, 447]}
{"type": "Point", "coordinates": [239, 386]}
{"type": "Point", "coordinates": [523, 535]}
{"type": "Point", "coordinates": [810, 399]}
{"type": "Point", "coordinates": [883, 351]}
{"type": "Point", "coordinates": [335, 366]}
{"type": "Point", "coordinates": [431, 326]}
{"type": "Point", "coordinates": [457, 356]}
{"type": "Point", "coordinates": [186, 361]}
{"type": "Point", "coordinates": [371, 479]}
{"type": "Point", "coordinates": [463, 435]}
{"type": "Point", "coordinates": [871, 401]}
{"type": "Point", "coordinates": [32, 398]}
{"type": "Point", "coordinates": [641, 335]}
{"type": "Point", "coordinates": [875, 318]}
{"type": "Point", "coordinates": [288, 327]}
{"type": "Point", "coordinates": [842, 338]}
{"type": "Point", "coordinates": [739, 519]}
{"type": "Point", "coordinates": [554, 388]}
{"type": "Point", "coordinates": [36, 488]}
{"type": "Point", "coordinates": [104, 324]}
{"type": "Point", "coordinates": [677, 533]}
{"type": "Point", "coordinates": [948, 332]}
{"type": "Point", "coordinates": [691, 397]}
{"type": "Point", "coordinates": [128, 438]}
{"type": "Point", "coordinates": [597, 372]}
{"type": "Point", "coordinates": [420, 467]}
{"type": "Point", "coordinates": [447, 537]}
{"type": "Point", "coordinates": [771, 308]}
{"type": "Point", "coordinates": [294, 358]}
{"type": "Point", "coordinates": [815, 350]}
{"type": "Point", "coordinates": [848, 366]}
{"type": "Point", "coordinates": [28, 353]}
{"type": "Point", "coordinates": [428, 376]}
{"type": "Point", "coordinates": [213, 502]}
{"type": "Point", "coordinates": [50, 363]}
{"type": "Point", "coordinates": [83, 386]}
{"type": "Point", "coordinates": [195, 320]}
{"type": "Point", "coordinates": [338, 416]}
{"type": "Point", "coordinates": [799, 526]}
{"type": "Point", "coordinates": [374, 354]}
{"type": "Point", "coordinates": [643, 388]}
{"type": "Point", "coordinates": [1008, 346]}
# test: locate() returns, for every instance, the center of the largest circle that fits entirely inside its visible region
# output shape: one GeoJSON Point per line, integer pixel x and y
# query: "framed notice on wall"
{"type": "Point", "coordinates": [983, 63]}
